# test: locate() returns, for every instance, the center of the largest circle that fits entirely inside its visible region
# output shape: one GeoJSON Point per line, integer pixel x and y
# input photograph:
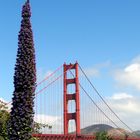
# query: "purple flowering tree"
{"type": "Point", "coordinates": [21, 116]}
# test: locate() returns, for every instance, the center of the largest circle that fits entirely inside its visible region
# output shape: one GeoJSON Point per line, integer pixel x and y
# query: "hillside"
{"type": "Point", "coordinates": [96, 128]}
{"type": "Point", "coordinates": [111, 131]}
{"type": "Point", "coordinates": [137, 133]}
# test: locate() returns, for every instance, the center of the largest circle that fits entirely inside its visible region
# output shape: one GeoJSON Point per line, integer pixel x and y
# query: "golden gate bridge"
{"type": "Point", "coordinates": [68, 102]}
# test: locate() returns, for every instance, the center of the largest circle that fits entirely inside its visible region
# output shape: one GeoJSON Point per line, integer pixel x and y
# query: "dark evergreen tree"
{"type": "Point", "coordinates": [21, 116]}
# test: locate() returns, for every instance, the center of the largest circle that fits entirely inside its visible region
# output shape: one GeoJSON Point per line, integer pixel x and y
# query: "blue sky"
{"type": "Point", "coordinates": [102, 35]}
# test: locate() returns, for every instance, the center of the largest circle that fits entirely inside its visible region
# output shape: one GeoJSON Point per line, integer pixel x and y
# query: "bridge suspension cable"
{"type": "Point", "coordinates": [102, 100]}
{"type": "Point", "coordinates": [39, 83]}
{"type": "Point", "coordinates": [53, 77]}
{"type": "Point", "coordinates": [54, 88]}
{"type": "Point", "coordinates": [95, 102]}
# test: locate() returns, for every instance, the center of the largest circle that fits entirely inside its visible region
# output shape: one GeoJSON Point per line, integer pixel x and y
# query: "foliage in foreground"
{"type": "Point", "coordinates": [103, 136]}
{"type": "Point", "coordinates": [4, 118]}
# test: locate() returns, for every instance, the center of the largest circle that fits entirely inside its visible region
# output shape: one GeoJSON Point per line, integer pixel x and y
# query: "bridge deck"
{"type": "Point", "coordinates": [72, 137]}
{"type": "Point", "coordinates": [63, 137]}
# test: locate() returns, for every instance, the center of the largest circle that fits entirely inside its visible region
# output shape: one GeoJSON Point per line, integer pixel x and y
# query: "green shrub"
{"type": "Point", "coordinates": [103, 136]}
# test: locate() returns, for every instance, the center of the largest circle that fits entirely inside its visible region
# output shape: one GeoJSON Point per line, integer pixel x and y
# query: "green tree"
{"type": "Point", "coordinates": [39, 126]}
{"type": "Point", "coordinates": [103, 136]}
{"type": "Point", "coordinates": [4, 117]}
{"type": "Point", "coordinates": [21, 116]}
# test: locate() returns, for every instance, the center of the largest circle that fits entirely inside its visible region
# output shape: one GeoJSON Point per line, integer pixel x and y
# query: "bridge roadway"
{"type": "Point", "coordinates": [63, 137]}
{"type": "Point", "coordinates": [72, 137]}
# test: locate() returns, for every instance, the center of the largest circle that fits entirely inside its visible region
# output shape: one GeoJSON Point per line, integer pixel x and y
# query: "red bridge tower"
{"type": "Point", "coordinates": [71, 96]}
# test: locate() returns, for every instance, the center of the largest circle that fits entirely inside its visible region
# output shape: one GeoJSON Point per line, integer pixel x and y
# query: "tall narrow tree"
{"type": "Point", "coordinates": [21, 119]}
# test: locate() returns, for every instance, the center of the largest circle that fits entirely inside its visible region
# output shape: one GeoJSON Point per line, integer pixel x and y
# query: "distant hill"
{"type": "Point", "coordinates": [111, 131]}
{"type": "Point", "coordinates": [96, 128]}
{"type": "Point", "coordinates": [137, 133]}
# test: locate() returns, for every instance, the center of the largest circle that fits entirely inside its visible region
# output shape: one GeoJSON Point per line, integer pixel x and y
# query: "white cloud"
{"type": "Point", "coordinates": [132, 68]}
{"type": "Point", "coordinates": [54, 121]}
{"type": "Point", "coordinates": [119, 96]}
{"type": "Point", "coordinates": [126, 107]}
{"type": "Point", "coordinates": [129, 76]}
{"type": "Point", "coordinates": [45, 119]}
{"type": "Point", "coordinates": [124, 104]}
{"type": "Point", "coordinates": [91, 72]}
{"type": "Point", "coordinates": [136, 59]}
{"type": "Point", "coordinates": [94, 71]}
